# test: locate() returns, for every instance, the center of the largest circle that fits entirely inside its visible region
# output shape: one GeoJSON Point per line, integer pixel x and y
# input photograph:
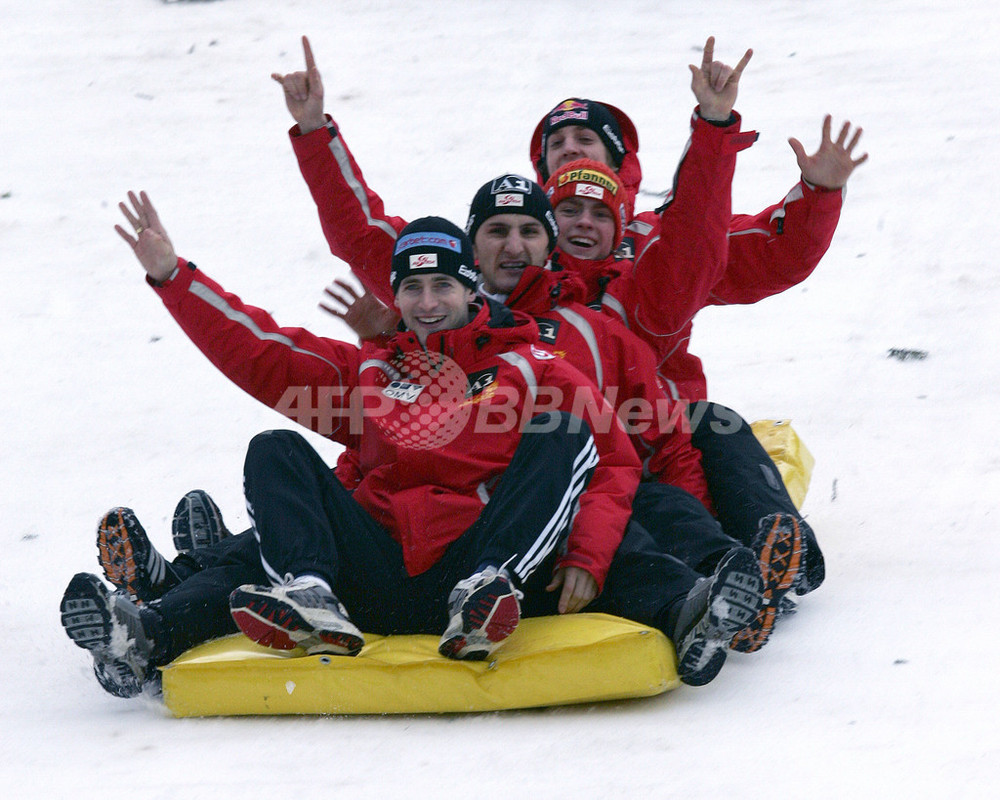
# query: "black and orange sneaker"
{"type": "Point", "coordinates": [197, 523]}
{"type": "Point", "coordinates": [128, 558]}
{"type": "Point", "coordinates": [779, 549]}
{"type": "Point", "coordinates": [301, 613]}
{"type": "Point", "coordinates": [715, 609]}
{"type": "Point", "coordinates": [485, 609]}
{"type": "Point", "coordinates": [110, 626]}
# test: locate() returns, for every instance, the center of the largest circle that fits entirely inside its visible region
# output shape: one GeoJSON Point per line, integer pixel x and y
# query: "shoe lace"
{"type": "Point", "coordinates": [485, 575]}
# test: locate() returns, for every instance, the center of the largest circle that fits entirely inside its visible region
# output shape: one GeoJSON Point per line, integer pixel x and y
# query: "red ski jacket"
{"type": "Point", "coordinates": [424, 477]}
{"type": "Point", "coordinates": [621, 366]}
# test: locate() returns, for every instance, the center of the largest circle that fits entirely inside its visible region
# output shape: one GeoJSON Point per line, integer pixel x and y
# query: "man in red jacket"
{"type": "Point", "coordinates": [468, 502]}
{"type": "Point", "coordinates": [767, 252]}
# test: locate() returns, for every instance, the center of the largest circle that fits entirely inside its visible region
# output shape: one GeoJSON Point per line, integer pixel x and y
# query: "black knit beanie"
{"type": "Point", "coordinates": [433, 244]}
{"type": "Point", "coordinates": [512, 194]}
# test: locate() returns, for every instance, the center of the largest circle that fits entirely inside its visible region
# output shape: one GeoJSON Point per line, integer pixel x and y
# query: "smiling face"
{"type": "Point", "coordinates": [433, 302]}
{"type": "Point", "coordinates": [573, 142]}
{"type": "Point", "coordinates": [505, 244]}
{"type": "Point", "coordinates": [587, 228]}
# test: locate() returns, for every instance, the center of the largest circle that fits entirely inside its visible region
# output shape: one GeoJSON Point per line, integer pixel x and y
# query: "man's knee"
{"type": "Point", "coordinates": [561, 424]}
{"type": "Point", "coordinates": [269, 445]}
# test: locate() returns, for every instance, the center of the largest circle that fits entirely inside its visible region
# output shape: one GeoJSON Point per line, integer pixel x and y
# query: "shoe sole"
{"type": "Point", "coordinates": [197, 523]}
{"type": "Point", "coordinates": [272, 623]}
{"type": "Point", "coordinates": [780, 562]}
{"type": "Point", "coordinates": [127, 557]}
{"type": "Point", "coordinates": [84, 613]}
{"type": "Point", "coordinates": [488, 617]}
{"type": "Point", "coordinates": [734, 601]}
{"type": "Point", "coordinates": [117, 678]}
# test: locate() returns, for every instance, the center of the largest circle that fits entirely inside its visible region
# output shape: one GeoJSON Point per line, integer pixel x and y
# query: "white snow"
{"type": "Point", "coordinates": [883, 685]}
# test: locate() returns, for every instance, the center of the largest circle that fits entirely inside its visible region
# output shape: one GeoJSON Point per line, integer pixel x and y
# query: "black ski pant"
{"type": "Point", "coordinates": [743, 480]}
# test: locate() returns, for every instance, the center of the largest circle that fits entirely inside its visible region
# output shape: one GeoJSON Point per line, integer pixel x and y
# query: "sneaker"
{"type": "Point", "coordinates": [778, 545]}
{"type": "Point", "coordinates": [301, 613]}
{"type": "Point", "coordinates": [814, 567]}
{"type": "Point", "coordinates": [110, 627]}
{"type": "Point", "coordinates": [128, 558]}
{"type": "Point", "coordinates": [485, 609]}
{"type": "Point", "coordinates": [715, 609]}
{"type": "Point", "coordinates": [197, 523]}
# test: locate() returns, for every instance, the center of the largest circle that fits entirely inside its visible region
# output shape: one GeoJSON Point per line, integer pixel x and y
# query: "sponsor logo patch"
{"type": "Point", "coordinates": [509, 200]}
{"type": "Point", "coordinates": [478, 381]}
{"type": "Point", "coordinates": [612, 138]}
{"type": "Point", "coordinates": [440, 240]}
{"type": "Point", "coordinates": [626, 250]}
{"type": "Point", "coordinates": [541, 355]}
{"type": "Point", "coordinates": [402, 391]}
{"type": "Point", "coordinates": [510, 183]}
{"type": "Point", "coordinates": [589, 176]}
{"type": "Point", "coordinates": [567, 111]}
{"type": "Point", "coordinates": [466, 272]}
{"type": "Point", "coordinates": [548, 330]}
{"type": "Point", "coordinates": [424, 261]}
{"type": "Point", "coordinates": [589, 190]}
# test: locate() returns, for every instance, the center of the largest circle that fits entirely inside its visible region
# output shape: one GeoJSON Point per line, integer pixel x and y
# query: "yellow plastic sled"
{"type": "Point", "coordinates": [789, 453]}
{"type": "Point", "coordinates": [547, 661]}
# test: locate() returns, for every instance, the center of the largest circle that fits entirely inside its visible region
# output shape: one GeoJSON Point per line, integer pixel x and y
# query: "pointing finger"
{"type": "Point", "coordinates": [708, 53]}
{"type": "Point", "coordinates": [310, 61]}
{"type": "Point", "coordinates": [743, 63]}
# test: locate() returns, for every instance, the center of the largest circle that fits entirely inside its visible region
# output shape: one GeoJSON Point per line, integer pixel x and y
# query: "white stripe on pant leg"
{"type": "Point", "coordinates": [547, 540]}
{"type": "Point", "coordinates": [275, 577]}
{"type": "Point", "coordinates": [559, 523]}
{"type": "Point", "coordinates": [560, 519]}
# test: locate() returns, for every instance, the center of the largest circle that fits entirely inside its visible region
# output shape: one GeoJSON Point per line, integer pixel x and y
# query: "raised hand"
{"type": "Point", "coordinates": [364, 313]}
{"type": "Point", "coordinates": [304, 93]}
{"type": "Point", "coordinates": [150, 243]}
{"type": "Point", "coordinates": [715, 85]}
{"type": "Point", "coordinates": [833, 163]}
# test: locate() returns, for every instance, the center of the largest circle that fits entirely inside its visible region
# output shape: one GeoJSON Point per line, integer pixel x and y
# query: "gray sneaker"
{"type": "Point", "coordinates": [301, 613]}
{"type": "Point", "coordinates": [109, 625]}
{"type": "Point", "coordinates": [715, 609]}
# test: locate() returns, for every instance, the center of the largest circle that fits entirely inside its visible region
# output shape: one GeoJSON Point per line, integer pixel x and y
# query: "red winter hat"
{"type": "Point", "coordinates": [588, 178]}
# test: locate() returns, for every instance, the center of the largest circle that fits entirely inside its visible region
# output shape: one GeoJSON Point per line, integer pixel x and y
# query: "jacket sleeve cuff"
{"type": "Point", "coordinates": [330, 127]}
{"type": "Point", "coordinates": [732, 138]}
{"type": "Point", "coordinates": [178, 281]}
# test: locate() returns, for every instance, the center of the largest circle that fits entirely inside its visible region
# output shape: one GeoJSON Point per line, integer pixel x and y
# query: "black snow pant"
{"type": "Point", "coordinates": [743, 480]}
{"type": "Point", "coordinates": [681, 526]}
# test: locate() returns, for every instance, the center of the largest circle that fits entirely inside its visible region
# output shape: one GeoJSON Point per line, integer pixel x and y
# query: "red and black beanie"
{"type": "Point", "coordinates": [586, 178]}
